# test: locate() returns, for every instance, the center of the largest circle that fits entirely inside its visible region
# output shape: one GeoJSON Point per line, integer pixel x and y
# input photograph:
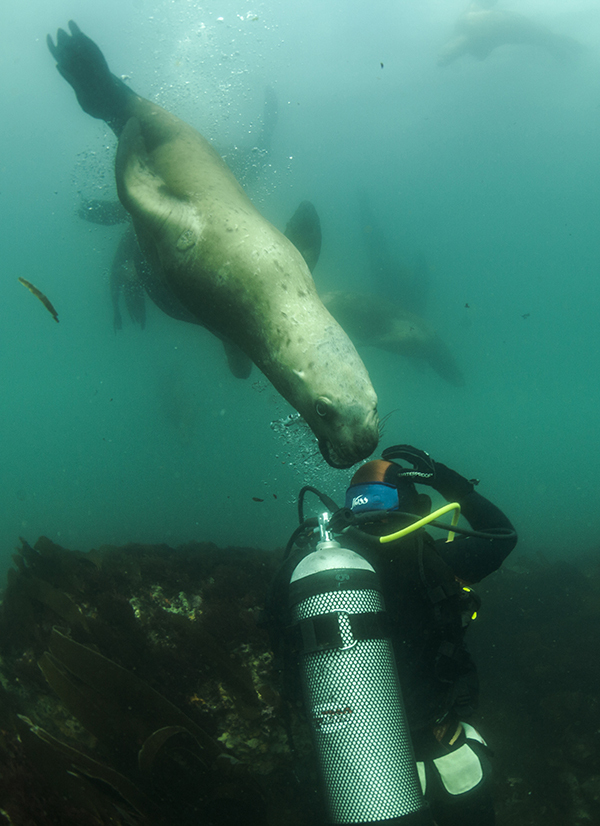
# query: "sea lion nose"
{"type": "Point", "coordinates": [359, 445]}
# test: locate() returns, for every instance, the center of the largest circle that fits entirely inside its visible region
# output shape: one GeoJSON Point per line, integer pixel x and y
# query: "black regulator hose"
{"type": "Point", "coordinates": [307, 526]}
{"type": "Point", "coordinates": [344, 521]}
{"type": "Point", "coordinates": [353, 521]}
{"type": "Point", "coordinates": [326, 500]}
{"type": "Point", "coordinates": [379, 516]}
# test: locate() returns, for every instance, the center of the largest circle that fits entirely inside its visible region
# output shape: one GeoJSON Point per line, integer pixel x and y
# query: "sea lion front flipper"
{"type": "Point", "coordinates": [239, 363]}
{"type": "Point", "coordinates": [304, 231]}
{"type": "Point", "coordinates": [82, 64]}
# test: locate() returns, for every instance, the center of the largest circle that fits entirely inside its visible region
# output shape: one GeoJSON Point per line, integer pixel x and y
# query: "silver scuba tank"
{"type": "Point", "coordinates": [351, 690]}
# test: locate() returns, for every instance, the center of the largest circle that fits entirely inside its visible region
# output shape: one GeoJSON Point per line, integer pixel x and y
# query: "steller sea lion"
{"type": "Point", "coordinates": [408, 286]}
{"type": "Point", "coordinates": [370, 319]}
{"type": "Point", "coordinates": [481, 29]}
{"type": "Point", "coordinates": [211, 253]}
{"type": "Point", "coordinates": [376, 322]}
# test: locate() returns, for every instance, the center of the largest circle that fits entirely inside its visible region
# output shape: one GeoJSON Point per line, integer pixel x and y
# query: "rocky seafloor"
{"type": "Point", "coordinates": [137, 686]}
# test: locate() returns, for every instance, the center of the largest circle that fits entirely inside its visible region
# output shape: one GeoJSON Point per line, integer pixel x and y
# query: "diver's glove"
{"type": "Point", "coordinates": [446, 481]}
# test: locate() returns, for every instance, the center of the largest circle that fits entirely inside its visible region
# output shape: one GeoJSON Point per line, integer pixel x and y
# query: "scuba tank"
{"type": "Point", "coordinates": [351, 689]}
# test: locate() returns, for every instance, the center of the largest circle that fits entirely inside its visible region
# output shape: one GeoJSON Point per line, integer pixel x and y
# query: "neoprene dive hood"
{"type": "Point", "coordinates": [351, 690]}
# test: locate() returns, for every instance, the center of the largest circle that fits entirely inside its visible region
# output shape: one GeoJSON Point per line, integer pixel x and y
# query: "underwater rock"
{"type": "Point", "coordinates": [163, 701]}
{"type": "Point", "coordinates": [159, 702]}
{"type": "Point", "coordinates": [534, 644]}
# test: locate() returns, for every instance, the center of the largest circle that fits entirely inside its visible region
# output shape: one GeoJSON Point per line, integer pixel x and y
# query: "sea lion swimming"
{"type": "Point", "coordinates": [211, 254]}
{"type": "Point", "coordinates": [406, 285]}
{"type": "Point", "coordinates": [481, 29]}
{"type": "Point", "coordinates": [370, 319]}
{"type": "Point", "coordinates": [130, 278]}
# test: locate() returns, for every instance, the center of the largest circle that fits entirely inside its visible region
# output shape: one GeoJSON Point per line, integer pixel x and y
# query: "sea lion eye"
{"type": "Point", "coordinates": [322, 408]}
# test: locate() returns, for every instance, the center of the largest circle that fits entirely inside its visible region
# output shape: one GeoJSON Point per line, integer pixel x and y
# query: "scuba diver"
{"type": "Point", "coordinates": [427, 605]}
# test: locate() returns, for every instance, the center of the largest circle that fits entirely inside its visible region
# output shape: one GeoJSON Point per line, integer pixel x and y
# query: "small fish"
{"type": "Point", "coordinates": [526, 315]}
{"type": "Point", "coordinates": [47, 304]}
{"type": "Point", "coordinates": [256, 499]}
{"type": "Point", "coordinates": [467, 307]}
{"type": "Point", "coordinates": [381, 64]}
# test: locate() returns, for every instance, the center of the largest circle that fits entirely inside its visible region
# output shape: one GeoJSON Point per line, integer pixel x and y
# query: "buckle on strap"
{"type": "Point", "coordinates": [341, 630]}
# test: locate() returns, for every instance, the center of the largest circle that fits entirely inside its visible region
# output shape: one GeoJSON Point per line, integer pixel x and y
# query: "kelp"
{"type": "Point", "coordinates": [157, 749]}
{"type": "Point", "coordinates": [58, 601]}
{"type": "Point", "coordinates": [168, 708]}
{"type": "Point", "coordinates": [114, 705]}
{"type": "Point", "coordinates": [154, 701]}
{"type": "Point", "coordinates": [69, 771]}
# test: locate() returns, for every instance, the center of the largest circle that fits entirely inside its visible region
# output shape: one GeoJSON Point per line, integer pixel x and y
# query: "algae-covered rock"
{"type": "Point", "coordinates": [138, 688]}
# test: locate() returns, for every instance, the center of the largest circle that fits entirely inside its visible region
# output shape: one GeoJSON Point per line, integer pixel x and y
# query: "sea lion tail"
{"type": "Point", "coordinates": [100, 93]}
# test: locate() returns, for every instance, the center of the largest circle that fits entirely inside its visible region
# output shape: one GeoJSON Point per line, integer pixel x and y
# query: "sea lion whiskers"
{"type": "Point", "coordinates": [383, 420]}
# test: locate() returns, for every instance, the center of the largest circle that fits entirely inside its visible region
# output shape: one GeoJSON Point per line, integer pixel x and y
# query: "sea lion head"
{"type": "Point", "coordinates": [334, 395]}
{"type": "Point", "coordinates": [346, 433]}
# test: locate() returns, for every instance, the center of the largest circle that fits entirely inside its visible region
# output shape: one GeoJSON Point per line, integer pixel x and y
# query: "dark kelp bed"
{"type": "Point", "coordinates": [138, 687]}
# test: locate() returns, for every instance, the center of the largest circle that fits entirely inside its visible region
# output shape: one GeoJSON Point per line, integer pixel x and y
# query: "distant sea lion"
{"type": "Point", "coordinates": [211, 253]}
{"type": "Point", "coordinates": [407, 286]}
{"type": "Point", "coordinates": [481, 29]}
{"type": "Point", "coordinates": [370, 319]}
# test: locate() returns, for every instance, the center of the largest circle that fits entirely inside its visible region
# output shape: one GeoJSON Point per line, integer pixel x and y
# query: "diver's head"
{"type": "Point", "coordinates": [379, 485]}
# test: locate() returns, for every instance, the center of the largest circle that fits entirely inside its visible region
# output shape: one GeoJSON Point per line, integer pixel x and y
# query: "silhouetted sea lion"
{"type": "Point", "coordinates": [369, 319]}
{"type": "Point", "coordinates": [481, 29]}
{"type": "Point", "coordinates": [212, 254]}
{"type": "Point", "coordinates": [407, 286]}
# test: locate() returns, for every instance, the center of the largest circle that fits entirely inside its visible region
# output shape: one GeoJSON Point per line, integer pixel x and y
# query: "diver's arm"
{"type": "Point", "coordinates": [471, 557]}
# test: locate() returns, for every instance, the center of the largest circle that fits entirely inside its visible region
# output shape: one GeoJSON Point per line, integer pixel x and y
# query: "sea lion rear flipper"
{"type": "Point", "coordinates": [84, 67]}
{"type": "Point", "coordinates": [134, 300]}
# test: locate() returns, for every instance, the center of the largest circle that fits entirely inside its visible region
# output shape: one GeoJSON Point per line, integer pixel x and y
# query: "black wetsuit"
{"type": "Point", "coordinates": [429, 607]}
